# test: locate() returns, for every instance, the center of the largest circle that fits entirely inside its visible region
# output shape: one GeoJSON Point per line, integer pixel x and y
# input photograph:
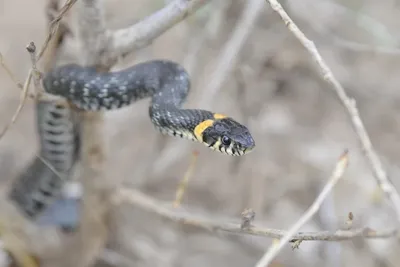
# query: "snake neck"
{"type": "Point", "coordinates": [183, 123]}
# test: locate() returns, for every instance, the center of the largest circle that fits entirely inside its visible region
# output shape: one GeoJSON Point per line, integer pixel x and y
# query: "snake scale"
{"type": "Point", "coordinates": [167, 84]}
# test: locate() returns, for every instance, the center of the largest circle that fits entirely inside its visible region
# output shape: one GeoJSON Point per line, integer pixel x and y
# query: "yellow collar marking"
{"type": "Point", "coordinates": [219, 116]}
{"type": "Point", "coordinates": [198, 131]}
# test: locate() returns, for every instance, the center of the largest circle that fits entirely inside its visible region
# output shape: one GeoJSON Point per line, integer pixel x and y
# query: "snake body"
{"type": "Point", "coordinates": [38, 185]}
{"type": "Point", "coordinates": [166, 82]}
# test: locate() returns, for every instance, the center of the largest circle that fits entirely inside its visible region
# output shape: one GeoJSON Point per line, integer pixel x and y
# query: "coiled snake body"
{"type": "Point", "coordinates": [167, 83]}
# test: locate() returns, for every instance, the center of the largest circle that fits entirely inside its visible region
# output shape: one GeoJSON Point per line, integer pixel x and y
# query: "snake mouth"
{"type": "Point", "coordinates": [232, 152]}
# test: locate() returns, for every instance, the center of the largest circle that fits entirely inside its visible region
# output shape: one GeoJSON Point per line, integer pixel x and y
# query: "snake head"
{"type": "Point", "coordinates": [228, 136]}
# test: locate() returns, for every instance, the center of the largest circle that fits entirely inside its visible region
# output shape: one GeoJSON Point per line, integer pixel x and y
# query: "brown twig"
{"type": "Point", "coordinates": [337, 174]}
{"type": "Point", "coordinates": [351, 108]}
{"type": "Point", "coordinates": [21, 104]}
{"type": "Point", "coordinates": [10, 73]}
{"type": "Point", "coordinates": [53, 27]}
{"type": "Point", "coordinates": [211, 223]}
{"type": "Point", "coordinates": [43, 96]}
{"type": "Point", "coordinates": [52, 31]}
{"type": "Point", "coordinates": [183, 184]}
{"type": "Point", "coordinates": [33, 72]}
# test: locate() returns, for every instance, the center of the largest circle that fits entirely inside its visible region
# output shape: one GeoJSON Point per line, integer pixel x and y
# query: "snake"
{"type": "Point", "coordinates": [165, 82]}
{"type": "Point", "coordinates": [41, 182]}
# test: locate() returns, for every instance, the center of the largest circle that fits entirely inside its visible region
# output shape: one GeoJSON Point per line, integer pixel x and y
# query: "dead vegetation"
{"type": "Point", "coordinates": [248, 61]}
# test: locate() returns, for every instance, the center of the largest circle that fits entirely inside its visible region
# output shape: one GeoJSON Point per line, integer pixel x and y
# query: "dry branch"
{"type": "Point", "coordinates": [211, 223]}
{"type": "Point", "coordinates": [336, 176]}
{"type": "Point", "coordinates": [185, 181]}
{"type": "Point", "coordinates": [10, 73]}
{"type": "Point", "coordinates": [350, 106]}
{"type": "Point", "coordinates": [126, 40]}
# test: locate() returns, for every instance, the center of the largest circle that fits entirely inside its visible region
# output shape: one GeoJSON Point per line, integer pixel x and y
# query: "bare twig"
{"type": "Point", "coordinates": [351, 108]}
{"type": "Point", "coordinates": [33, 73]}
{"type": "Point", "coordinates": [42, 96]}
{"type": "Point", "coordinates": [336, 175]}
{"type": "Point", "coordinates": [36, 74]}
{"type": "Point", "coordinates": [231, 50]}
{"type": "Point", "coordinates": [21, 104]}
{"type": "Point", "coordinates": [24, 94]}
{"type": "Point", "coordinates": [211, 223]}
{"type": "Point", "coordinates": [50, 166]}
{"type": "Point", "coordinates": [52, 31]}
{"type": "Point", "coordinates": [10, 73]}
{"type": "Point", "coordinates": [53, 27]}
{"type": "Point", "coordinates": [126, 40]}
{"type": "Point", "coordinates": [183, 184]}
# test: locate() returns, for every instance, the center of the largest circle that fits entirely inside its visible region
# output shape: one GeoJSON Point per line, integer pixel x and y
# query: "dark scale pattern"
{"type": "Point", "coordinates": [166, 82]}
{"type": "Point", "coordinates": [58, 135]}
{"type": "Point", "coordinates": [178, 119]}
{"type": "Point", "coordinates": [38, 186]}
{"type": "Point", "coordinates": [89, 90]}
{"type": "Point", "coordinates": [35, 189]}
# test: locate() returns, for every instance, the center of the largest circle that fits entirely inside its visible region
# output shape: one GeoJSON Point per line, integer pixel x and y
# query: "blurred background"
{"type": "Point", "coordinates": [299, 126]}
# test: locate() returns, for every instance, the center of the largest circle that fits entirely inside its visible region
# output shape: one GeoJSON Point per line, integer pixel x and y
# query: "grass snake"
{"type": "Point", "coordinates": [165, 82]}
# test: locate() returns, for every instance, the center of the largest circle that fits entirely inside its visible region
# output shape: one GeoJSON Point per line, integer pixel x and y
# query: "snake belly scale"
{"type": "Point", "coordinates": [165, 82]}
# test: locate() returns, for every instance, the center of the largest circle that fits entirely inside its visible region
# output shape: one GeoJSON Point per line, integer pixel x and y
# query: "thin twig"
{"type": "Point", "coordinates": [33, 73]}
{"type": "Point", "coordinates": [21, 104]}
{"type": "Point", "coordinates": [351, 108]}
{"type": "Point", "coordinates": [9, 72]}
{"type": "Point", "coordinates": [36, 74]}
{"type": "Point", "coordinates": [138, 199]}
{"type": "Point", "coordinates": [211, 223]}
{"type": "Point", "coordinates": [183, 184]}
{"type": "Point", "coordinates": [51, 167]}
{"type": "Point", "coordinates": [336, 176]}
{"type": "Point", "coordinates": [53, 27]}
{"type": "Point", "coordinates": [231, 51]}
{"type": "Point", "coordinates": [43, 96]}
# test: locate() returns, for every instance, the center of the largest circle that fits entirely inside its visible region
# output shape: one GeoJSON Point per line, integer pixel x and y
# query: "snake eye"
{"type": "Point", "coordinates": [226, 140]}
